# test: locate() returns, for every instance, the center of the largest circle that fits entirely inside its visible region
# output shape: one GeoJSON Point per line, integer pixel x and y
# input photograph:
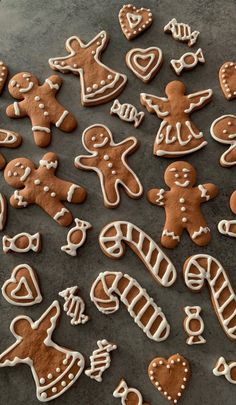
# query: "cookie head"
{"type": "Point", "coordinates": [96, 137]}
{"type": "Point", "coordinates": [180, 174]}
{"type": "Point", "coordinates": [70, 62]}
{"type": "Point", "coordinates": [21, 326]}
{"type": "Point", "coordinates": [175, 89]}
{"type": "Point", "coordinates": [21, 84]}
{"type": "Point", "coordinates": [18, 171]}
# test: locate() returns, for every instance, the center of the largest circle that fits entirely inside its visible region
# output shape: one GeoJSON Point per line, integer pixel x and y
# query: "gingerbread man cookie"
{"type": "Point", "coordinates": [108, 160]}
{"type": "Point", "coordinates": [41, 186]}
{"type": "Point", "coordinates": [182, 205]}
{"type": "Point", "coordinates": [40, 105]}
{"type": "Point", "coordinates": [177, 134]}
{"type": "Point", "coordinates": [223, 130]}
{"type": "Point", "coordinates": [99, 83]}
{"type": "Point", "coordinates": [54, 368]}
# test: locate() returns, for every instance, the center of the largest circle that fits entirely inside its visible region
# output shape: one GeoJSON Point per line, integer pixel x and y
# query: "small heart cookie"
{"type": "Point", "coordinates": [227, 76]}
{"type": "Point", "coordinates": [134, 21]}
{"type": "Point", "coordinates": [22, 287]}
{"type": "Point", "coordinates": [144, 63]}
{"type": "Point", "coordinates": [170, 377]}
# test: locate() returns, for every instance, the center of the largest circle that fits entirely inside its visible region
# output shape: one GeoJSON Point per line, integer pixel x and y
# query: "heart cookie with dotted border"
{"type": "Point", "coordinates": [170, 377]}
{"type": "Point", "coordinates": [134, 21]}
{"type": "Point", "coordinates": [227, 77]}
{"type": "Point", "coordinates": [22, 287]}
{"type": "Point", "coordinates": [144, 63]}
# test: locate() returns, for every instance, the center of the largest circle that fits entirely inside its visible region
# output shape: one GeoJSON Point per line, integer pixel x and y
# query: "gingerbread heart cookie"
{"type": "Point", "coordinates": [171, 376]}
{"type": "Point", "coordinates": [134, 21]}
{"type": "Point", "coordinates": [144, 63]}
{"type": "Point", "coordinates": [22, 287]}
{"type": "Point", "coordinates": [227, 77]}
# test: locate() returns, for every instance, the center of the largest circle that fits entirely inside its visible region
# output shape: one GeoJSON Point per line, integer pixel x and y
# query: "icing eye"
{"type": "Point", "coordinates": [101, 135]}
{"type": "Point", "coordinates": [185, 175]}
{"type": "Point", "coordinates": [93, 138]}
{"type": "Point", "coordinates": [17, 85]}
{"type": "Point", "coordinates": [177, 175]}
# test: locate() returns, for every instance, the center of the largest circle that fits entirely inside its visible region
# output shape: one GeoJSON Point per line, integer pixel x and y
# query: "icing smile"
{"type": "Point", "coordinates": [26, 89]}
{"type": "Point", "coordinates": [103, 143]}
{"type": "Point", "coordinates": [185, 184]}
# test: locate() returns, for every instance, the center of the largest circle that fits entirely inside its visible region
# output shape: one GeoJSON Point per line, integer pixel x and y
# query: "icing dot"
{"type": "Point", "coordinates": [103, 82]}
{"type": "Point", "coordinates": [58, 369]}
{"type": "Point", "coordinates": [49, 376]}
{"type": "Point", "coordinates": [95, 86]}
{"type": "Point", "coordinates": [2, 74]}
{"type": "Point", "coordinates": [169, 398]}
{"type": "Point", "coordinates": [98, 43]}
{"type": "Point", "coordinates": [160, 362]}
{"type": "Point", "coordinates": [165, 393]}
{"type": "Point", "coordinates": [89, 89]}
{"type": "Point", "coordinates": [93, 52]}
{"type": "Point", "coordinates": [37, 182]}
{"type": "Point", "coordinates": [152, 378]}
{"type": "Point", "coordinates": [37, 98]}
{"type": "Point", "coordinates": [53, 194]}
{"type": "Point", "coordinates": [65, 362]}
{"type": "Point", "coordinates": [109, 77]}
{"type": "Point", "coordinates": [106, 157]}
{"type": "Point", "coordinates": [42, 380]}
{"type": "Point", "coordinates": [168, 366]}
{"type": "Point", "coordinates": [183, 209]}
{"type": "Point", "coordinates": [113, 172]}
{"type": "Point", "coordinates": [151, 372]}
{"type": "Point", "coordinates": [172, 362]}
{"type": "Point", "coordinates": [159, 388]}
{"type": "Point", "coordinates": [62, 63]}
{"type": "Point", "coordinates": [223, 70]}
{"type": "Point", "coordinates": [75, 65]}
{"type": "Point", "coordinates": [93, 138]}
{"type": "Point", "coordinates": [15, 174]}
{"type": "Point", "coordinates": [45, 113]}
{"type": "Point", "coordinates": [71, 376]}
{"type": "Point", "coordinates": [1, 63]}
{"type": "Point", "coordinates": [9, 173]}
{"type": "Point", "coordinates": [184, 379]}
{"type": "Point", "coordinates": [185, 175]}
{"type": "Point", "coordinates": [46, 188]}
{"type": "Point", "coordinates": [176, 175]}
{"type": "Point", "coordinates": [175, 401]}
{"type": "Point", "coordinates": [18, 85]}
{"type": "Point", "coordinates": [1, 79]}
{"type": "Point", "coordinates": [186, 370]}
{"type": "Point", "coordinates": [181, 200]}
{"type": "Point", "coordinates": [226, 65]}
{"type": "Point", "coordinates": [41, 105]}
{"type": "Point", "coordinates": [184, 364]}
{"type": "Point", "coordinates": [231, 64]}
{"type": "Point", "coordinates": [229, 123]}
{"type": "Point", "coordinates": [183, 387]}
{"type": "Point", "coordinates": [184, 219]}
{"type": "Point", "coordinates": [54, 389]}
{"type": "Point", "coordinates": [154, 364]}
{"type": "Point", "coordinates": [179, 394]}
{"type": "Point", "coordinates": [157, 383]}
{"type": "Point", "coordinates": [63, 383]}
{"type": "Point", "coordinates": [178, 360]}
{"type": "Point", "coordinates": [110, 164]}
{"type": "Point", "coordinates": [43, 395]}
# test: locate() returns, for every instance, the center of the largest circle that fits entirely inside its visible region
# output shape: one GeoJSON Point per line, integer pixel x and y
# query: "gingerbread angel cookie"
{"type": "Point", "coordinates": [39, 103]}
{"type": "Point", "coordinates": [99, 83]}
{"type": "Point", "coordinates": [42, 187]}
{"type": "Point", "coordinates": [177, 135]}
{"type": "Point", "coordinates": [223, 130]}
{"type": "Point", "coordinates": [228, 226]}
{"type": "Point", "coordinates": [182, 205]}
{"type": "Point", "coordinates": [108, 160]}
{"type": "Point", "coordinates": [34, 346]}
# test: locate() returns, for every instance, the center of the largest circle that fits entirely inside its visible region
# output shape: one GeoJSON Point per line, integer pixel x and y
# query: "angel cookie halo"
{"type": "Point", "coordinates": [177, 135]}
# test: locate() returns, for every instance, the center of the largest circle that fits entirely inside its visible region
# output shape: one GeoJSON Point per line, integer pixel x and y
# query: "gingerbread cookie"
{"type": "Point", "coordinates": [3, 75]}
{"type": "Point", "coordinates": [144, 63]}
{"type": "Point", "coordinates": [99, 83]}
{"type": "Point", "coordinates": [21, 243]}
{"type": "Point", "coordinates": [226, 369]}
{"type": "Point", "coordinates": [8, 139]}
{"type": "Point", "coordinates": [41, 186]}
{"type": "Point", "coordinates": [227, 77]}
{"type": "Point", "coordinates": [177, 135]}
{"type": "Point", "coordinates": [128, 395]}
{"type": "Point", "coordinates": [182, 205]}
{"type": "Point", "coordinates": [115, 235]}
{"type": "Point", "coordinates": [76, 237]}
{"type": "Point", "coordinates": [110, 285]}
{"type": "Point", "coordinates": [223, 130]}
{"type": "Point", "coordinates": [34, 346]}
{"type": "Point", "coordinates": [134, 21]}
{"type": "Point", "coordinates": [74, 306]}
{"type": "Point", "coordinates": [100, 360]}
{"type": "Point", "coordinates": [188, 61]}
{"type": "Point", "coordinates": [194, 325]}
{"type": "Point", "coordinates": [40, 105]}
{"type": "Point", "coordinates": [228, 227]}
{"type": "Point", "coordinates": [170, 377]}
{"type": "Point", "coordinates": [22, 287]}
{"type": "Point", "coordinates": [3, 211]}
{"type": "Point", "coordinates": [109, 160]}
{"type": "Point", "coordinates": [127, 112]}
{"type": "Point", "coordinates": [181, 32]}
{"type": "Point", "coordinates": [200, 268]}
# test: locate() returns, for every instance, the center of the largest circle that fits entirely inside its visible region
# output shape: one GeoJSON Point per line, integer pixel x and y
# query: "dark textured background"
{"type": "Point", "coordinates": [30, 33]}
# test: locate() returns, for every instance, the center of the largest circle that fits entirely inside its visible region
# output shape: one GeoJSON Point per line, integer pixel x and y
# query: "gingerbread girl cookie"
{"type": "Point", "coordinates": [99, 83]}
{"type": "Point", "coordinates": [177, 134]}
{"type": "Point", "coordinates": [108, 160]}
{"type": "Point", "coordinates": [54, 368]}
{"type": "Point", "coordinates": [223, 130]}
{"type": "Point", "coordinates": [40, 105]}
{"type": "Point", "coordinates": [182, 205]}
{"type": "Point", "coordinates": [41, 186]}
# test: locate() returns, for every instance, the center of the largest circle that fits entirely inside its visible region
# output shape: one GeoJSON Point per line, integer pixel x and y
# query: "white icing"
{"type": "Point", "coordinates": [16, 108]}
{"type": "Point", "coordinates": [26, 89]}
{"type": "Point", "coordinates": [26, 174]}
{"type": "Point", "coordinates": [116, 250]}
{"type": "Point", "coordinates": [147, 99]}
{"type": "Point", "coordinates": [227, 227]}
{"type": "Point", "coordinates": [71, 191]}
{"type": "Point", "coordinates": [231, 140]}
{"type": "Point", "coordinates": [202, 96]}
{"type": "Point", "coordinates": [196, 281]}
{"type": "Point", "coordinates": [111, 290]}
{"type": "Point", "coordinates": [40, 128]}
{"type": "Point", "coordinates": [181, 32]}
{"type": "Point", "coordinates": [122, 391]}
{"type": "Point", "coordinates": [200, 232]}
{"type": "Point", "coordinates": [10, 138]}
{"type": "Point", "coordinates": [52, 85]}
{"type": "Point", "coordinates": [74, 306]}
{"type": "Point", "coordinates": [9, 244]}
{"type": "Point", "coordinates": [20, 199]}
{"type": "Point", "coordinates": [127, 112]}
{"type": "Point", "coordinates": [185, 184]}
{"type": "Point", "coordinates": [133, 19]}
{"type": "Point", "coordinates": [48, 164]}
{"type": "Point", "coordinates": [72, 247]}
{"type": "Point", "coordinates": [100, 360]}
{"type": "Point", "coordinates": [137, 53]}
{"type": "Point", "coordinates": [61, 119]}
{"type": "Point", "coordinates": [223, 368]}
{"type": "Point", "coordinates": [193, 314]}
{"type": "Point", "coordinates": [204, 192]}
{"type": "Point", "coordinates": [181, 64]}
{"type": "Point", "coordinates": [60, 213]}
{"type": "Point", "coordinates": [30, 298]}
{"type": "Point", "coordinates": [171, 234]}
{"type": "Point", "coordinates": [160, 197]}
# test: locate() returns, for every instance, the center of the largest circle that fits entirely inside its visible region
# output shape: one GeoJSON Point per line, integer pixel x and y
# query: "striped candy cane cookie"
{"type": "Point", "coordinates": [110, 285]}
{"type": "Point", "coordinates": [112, 241]}
{"type": "Point", "coordinates": [200, 268]}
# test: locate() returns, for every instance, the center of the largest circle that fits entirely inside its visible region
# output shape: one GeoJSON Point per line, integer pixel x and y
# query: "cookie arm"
{"type": "Point", "coordinates": [20, 198]}
{"type": "Point", "coordinates": [207, 191]}
{"type": "Point", "coordinates": [48, 320]}
{"type": "Point", "coordinates": [10, 356]}
{"type": "Point", "coordinates": [156, 196]}
{"type": "Point", "coordinates": [16, 110]}
{"type": "Point", "coordinates": [99, 42]}
{"type": "Point", "coordinates": [86, 162]}
{"type": "Point", "coordinates": [49, 161]}
{"type": "Point", "coordinates": [71, 192]}
{"type": "Point", "coordinates": [129, 144]}
{"type": "Point", "coordinates": [54, 82]}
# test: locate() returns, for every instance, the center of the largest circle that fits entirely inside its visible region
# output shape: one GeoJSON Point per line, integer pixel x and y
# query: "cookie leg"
{"type": "Point", "coordinates": [171, 235]}
{"type": "Point", "coordinates": [59, 213]}
{"type": "Point", "coordinates": [66, 122]}
{"type": "Point", "coordinates": [199, 233]}
{"type": "Point", "coordinates": [42, 135]}
{"type": "Point", "coordinates": [132, 185]}
{"type": "Point", "coordinates": [111, 194]}
{"type": "Point", "coordinates": [72, 192]}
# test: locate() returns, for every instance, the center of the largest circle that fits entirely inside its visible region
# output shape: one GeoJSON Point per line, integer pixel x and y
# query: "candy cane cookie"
{"type": "Point", "coordinates": [115, 235]}
{"type": "Point", "coordinates": [110, 285]}
{"type": "Point", "coordinates": [200, 268]}
{"type": "Point", "coordinates": [128, 395]}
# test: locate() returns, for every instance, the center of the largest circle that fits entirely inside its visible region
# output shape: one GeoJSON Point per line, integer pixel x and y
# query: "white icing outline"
{"type": "Point", "coordinates": [140, 54]}
{"type": "Point", "coordinates": [11, 138]}
{"type": "Point", "coordinates": [20, 199]}
{"type": "Point", "coordinates": [227, 224]}
{"type": "Point", "coordinates": [52, 85]}
{"type": "Point", "coordinates": [226, 372]}
{"type": "Point", "coordinates": [40, 128]}
{"type": "Point", "coordinates": [122, 391]}
{"type": "Point", "coordinates": [117, 250]}
{"type": "Point", "coordinates": [74, 305]}
{"type": "Point", "coordinates": [48, 164]}
{"type": "Point", "coordinates": [38, 297]}
{"type": "Point", "coordinates": [12, 246]}
{"type": "Point", "coordinates": [190, 317]}
{"type": "Point", "coordinates": [61, 119]}
{"type": "Point", "coordinates": [98, 364]}
{"type": "Point", "coordinates": [26, 89]}
{"type": "Point", "coordinates": [230, 142]}
{"type": "Point", "coordinates": [72, 247]}
{"type": "Point", "coordinates": [71, 191]}
{"type": "Point", "coordinates": [176, 30]}
{"type": "Point", "coordinates": [131, 16]}
{"type": "Point", "coordinates": [60, 213]}
{"type": "Point", "coordinates": [180, 64]}
{"type": "Point", "coordinates": [127, 112]}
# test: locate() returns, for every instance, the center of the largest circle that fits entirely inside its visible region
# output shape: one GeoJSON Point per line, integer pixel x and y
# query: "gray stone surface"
{"type": "Point", "coordinates": [33, 31]}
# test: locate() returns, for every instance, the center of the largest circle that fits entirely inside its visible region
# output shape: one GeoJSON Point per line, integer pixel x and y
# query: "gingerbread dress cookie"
{"type": "Point", "coordinates": [182, 205]}
{"type": "Point", "coordinates": [177, 134]}
{"type": "Point", "coordinates": [108, 159]}
{"type": "Point", "coordinates": [40, 105]}
{"type": "Point", "coordinates": [99, 83]}
{"type": "Point", "coordinates": [41, 186]}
